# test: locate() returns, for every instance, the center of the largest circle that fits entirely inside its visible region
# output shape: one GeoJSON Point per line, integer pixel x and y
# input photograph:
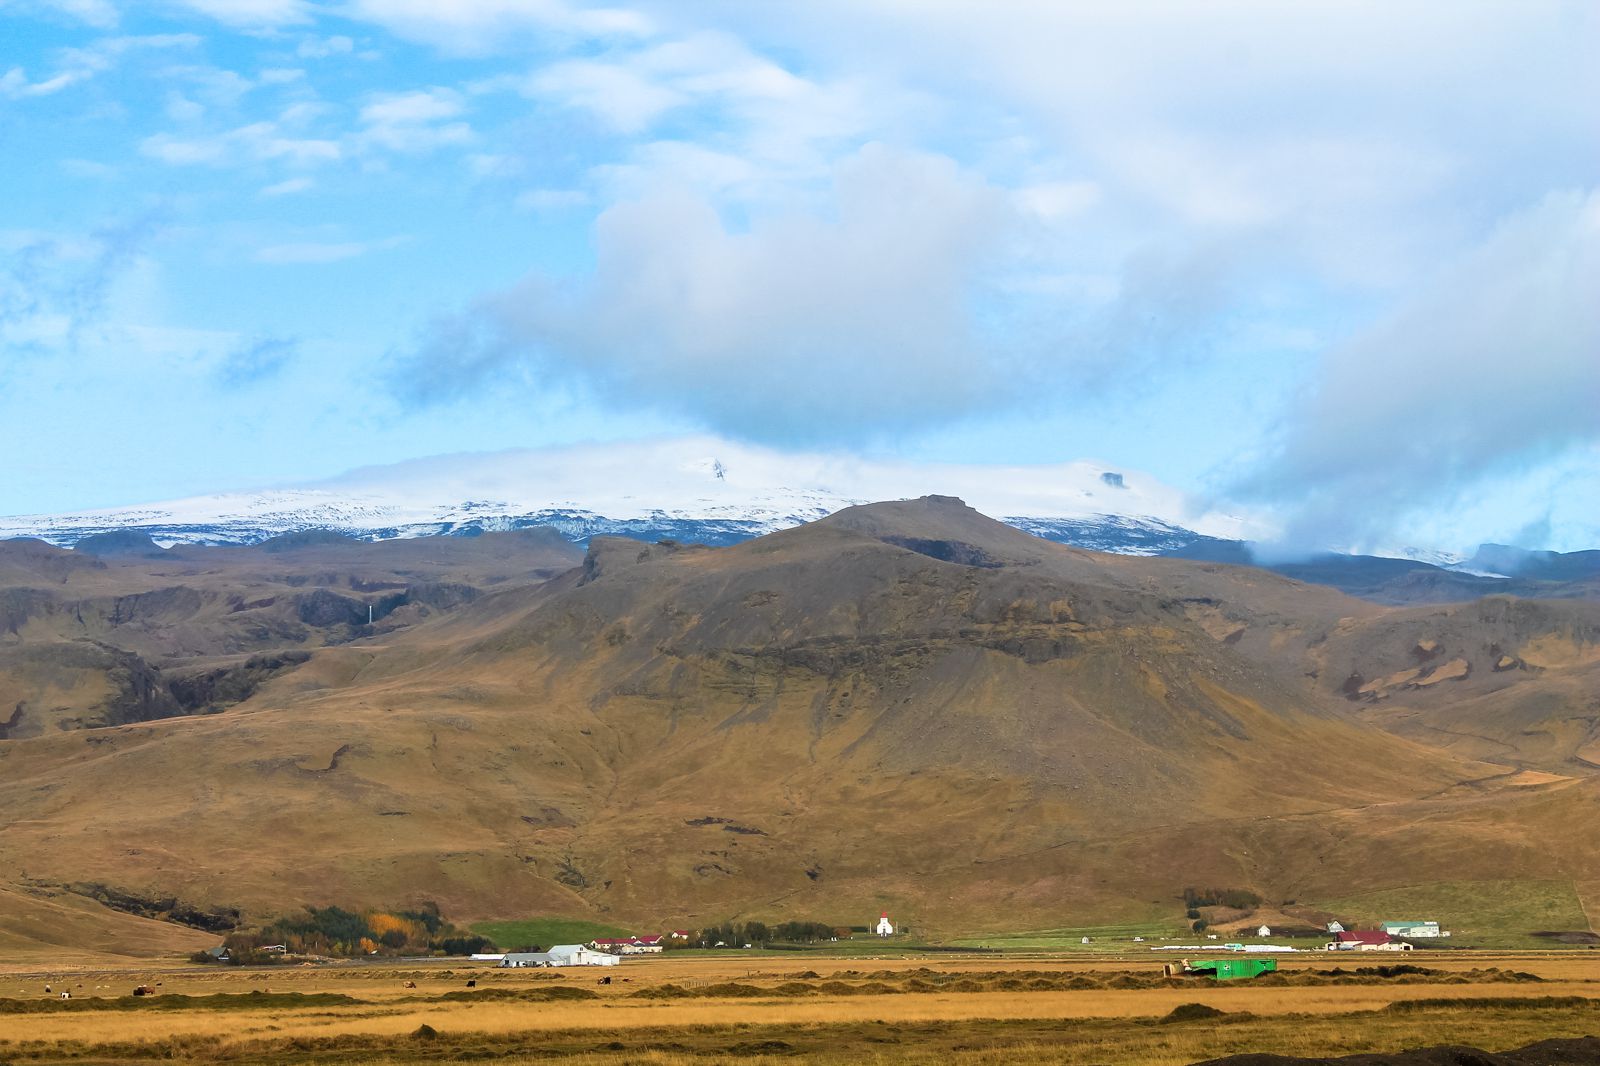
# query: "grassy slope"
{"type": "Point", "coordinates": [1498, 914]}
{"type": "Point", "coordinates": [58, 927]}
{"type": "Point", "coordinates": [545, 932]}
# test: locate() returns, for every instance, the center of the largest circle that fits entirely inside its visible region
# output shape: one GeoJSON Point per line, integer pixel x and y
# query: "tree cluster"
{"type": "Point", "coordinates": [336, 931]}
{"type": "Point", "coordinates": [759, 934]}
{"type": "Point", "coordinates": [1241, 899]}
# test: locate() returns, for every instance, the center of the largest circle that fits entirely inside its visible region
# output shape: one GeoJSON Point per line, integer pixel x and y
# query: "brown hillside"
{"type": "Point", "coordinates": [136, 635]}
{"type": "Point", "coordinates": [904, 704]}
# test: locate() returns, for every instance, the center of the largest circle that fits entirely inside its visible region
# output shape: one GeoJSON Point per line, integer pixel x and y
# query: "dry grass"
{"type": "Point", "coordinates": [982, 1016]}
{"type": "Point", "coordinates": [1135, 1042]}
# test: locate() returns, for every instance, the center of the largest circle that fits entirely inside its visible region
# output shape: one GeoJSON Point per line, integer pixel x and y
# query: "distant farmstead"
{"type": "Point", "coordinates": [884, 927]}
{"type": "Point", "coordinates": [629, 945]}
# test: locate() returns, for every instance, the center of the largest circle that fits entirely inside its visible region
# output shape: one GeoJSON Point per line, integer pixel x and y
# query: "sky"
{"type": "Point", "coordinates": [1335, 262]}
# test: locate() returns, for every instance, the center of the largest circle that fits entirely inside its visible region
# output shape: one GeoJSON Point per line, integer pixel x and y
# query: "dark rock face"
{"type": "Point", "coordinates": [120, 542]}
{"type": "Point", "coordinates": [948, 551]}
{"type": "Point", "coordinates": [166, 909]}
{"type": "Point", "coordinates": [143, 696]}
{"type": "Point", "coordinates": [305, 538]}
{"type": "Point", "coordinates": [213, 690]}
{"type": "Point", "coordinates": [324, 608]}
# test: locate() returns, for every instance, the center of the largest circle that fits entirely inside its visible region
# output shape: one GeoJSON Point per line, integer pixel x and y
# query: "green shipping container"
{"type": "Point", "coordinates": [1234, 969]}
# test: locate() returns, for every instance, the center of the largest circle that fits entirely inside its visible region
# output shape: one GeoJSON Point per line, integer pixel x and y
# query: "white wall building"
{"type": "Point", "coordinates": [885, 927]}
{"type": "Point", "coordinates": [560, 955]}
{"type": "Point", "coordinates": [1413, 930]}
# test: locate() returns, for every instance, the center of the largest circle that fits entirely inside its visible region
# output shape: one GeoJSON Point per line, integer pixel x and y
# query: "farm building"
{"type": "Point", "coordinates": [1357, 941]}
{"type": "Point", "coordinates": [560, 955]}
{"type": "Point", "coordinates": [1413, 929]}
{"type": "Point", "coordinates": [884, 927]}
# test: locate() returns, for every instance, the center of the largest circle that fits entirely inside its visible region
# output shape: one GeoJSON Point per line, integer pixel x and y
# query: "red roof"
{"type": "Point", "coordinates": [647, 940]}
{"type": "Point", "coordinates": [1361, 938]}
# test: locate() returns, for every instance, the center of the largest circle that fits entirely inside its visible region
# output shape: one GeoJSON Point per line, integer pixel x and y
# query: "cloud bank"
{"type": "Point", "coordinates": [1491, 369]}
{"type": "Point", "coordinates": [851, 321]}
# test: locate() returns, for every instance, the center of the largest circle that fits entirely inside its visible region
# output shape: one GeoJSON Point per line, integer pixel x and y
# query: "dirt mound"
{"type": "Point", "coordinates": [1191, 1012]}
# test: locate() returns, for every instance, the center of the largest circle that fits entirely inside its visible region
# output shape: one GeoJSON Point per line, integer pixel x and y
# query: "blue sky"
{"type": "Point", "coordinates": [1339, 261]}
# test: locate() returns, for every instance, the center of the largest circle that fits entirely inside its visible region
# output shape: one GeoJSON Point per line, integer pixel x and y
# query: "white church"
{"type": "Point", "coordinates": [885, 927]}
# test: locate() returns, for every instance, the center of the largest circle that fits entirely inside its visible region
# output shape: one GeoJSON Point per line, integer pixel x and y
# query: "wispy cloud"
{"type": "Point", "coordinates": [55, 288]}
{"type": "Point", "coordinates": [254, 14]}
{"type": "Point", "coordinates": [256, 142]}
{"type": "Point", "coordinates": [486, 26]}
{"type": "Point", "coordinates": [101, 14]}
{"type": "Point", "coordinates": [289, 187]}
{"type": "Point", "coordinates": [416, 121]}
{"type": "Point", "coordinates": [254, 361]}
{"type": "Point", "coordinates": [323, 47]}
{"type": "Point", "coordinates": [78, 65]}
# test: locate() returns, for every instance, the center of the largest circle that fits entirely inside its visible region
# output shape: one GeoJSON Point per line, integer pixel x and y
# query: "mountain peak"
{"type": "Point", "coordinates": [941, 527]}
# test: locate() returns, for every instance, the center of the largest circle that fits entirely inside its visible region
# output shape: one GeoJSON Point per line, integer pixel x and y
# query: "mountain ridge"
{"type": "Point", "coordinates": [907, 704]}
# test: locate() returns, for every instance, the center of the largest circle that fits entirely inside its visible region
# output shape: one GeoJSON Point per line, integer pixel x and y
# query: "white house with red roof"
{"type": "Point", "coordinates": [1365, 941]}
{"type": "Point", "coordinates": [629, 945]}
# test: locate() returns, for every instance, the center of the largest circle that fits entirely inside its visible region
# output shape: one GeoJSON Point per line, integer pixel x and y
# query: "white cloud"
{"type": "Point", "coordinates": [253, 14]}
{"type": "Point", "coordinates": [180, 108]}
{"type": "Point", "coordinates": [78, 65]}
{"type": "Point", "coordinates": [626, 99]}
{"type": "Point", "coordinates": [771, 113]}
{"type": "Point", "coordinates": [678, 164]}
{"type": "Point", "coordinates": [495, 25]}
{"type": "Point", "coordinates": [102, 14]}
{"type": "Point", "coordinates": [323, 47]}
{"type": "Point", "coordinates": [15, 83]}
{"type": "Point", "coordinates": [289, 187]}
{"type": "Point", "coordinates": [804, 326]}
{"type": "Point", "coordinates": [1492, 368]}
{"type": "Point", "coordinates": [414, 121]}
{"type": "Point", "coordinates": [256, 142]}
{"type": "Point", "coordinates": [1055, 201]}
{"type": "Point", "coordinates": [410, 107]}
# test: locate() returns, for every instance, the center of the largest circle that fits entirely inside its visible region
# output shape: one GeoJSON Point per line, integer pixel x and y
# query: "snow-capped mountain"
{"type": "Point", "coordinates": [699, 488]}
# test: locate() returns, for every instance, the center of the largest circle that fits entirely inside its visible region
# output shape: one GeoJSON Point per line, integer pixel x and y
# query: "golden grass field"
{"type": "Point", "coordinates": [891, 1010]}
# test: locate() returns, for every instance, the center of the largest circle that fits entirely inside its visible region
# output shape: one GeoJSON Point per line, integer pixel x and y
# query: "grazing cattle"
{"type": "Point", "coordinates": [472, 984]}
{"type": "Point", "coordinates": [144, 990]}
{"type": "Point", "coordinates": [411, 984]}
{"type": "Point", "coordinates": [66, 995]}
